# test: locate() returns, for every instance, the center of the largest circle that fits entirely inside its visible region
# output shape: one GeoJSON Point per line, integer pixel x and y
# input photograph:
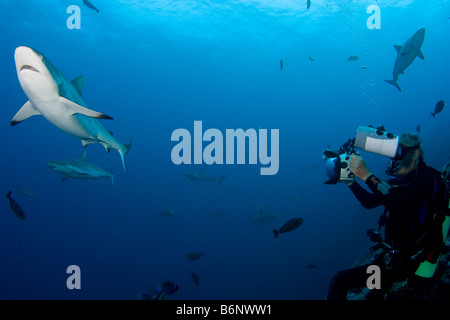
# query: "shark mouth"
{"type": "Point", "coordinates": [28, 67]}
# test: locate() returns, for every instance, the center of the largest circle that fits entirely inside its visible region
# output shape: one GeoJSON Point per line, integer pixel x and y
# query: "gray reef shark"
{"type": "Point", "coordinates": [262, 218]}
{"type": "Point", "coordinates": [27, 191]}
{"type": "Point", "coordinates": [59, 100]}
{"type": "Point", "coordinates": [79, 169]}
{"type": "Point", "coordinates": [200, 176]}
{"type": "Point", "coordinates": [406, 55]}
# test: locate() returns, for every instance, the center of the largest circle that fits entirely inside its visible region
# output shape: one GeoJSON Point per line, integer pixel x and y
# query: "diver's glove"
{"type": "Point", "coordinates": [392, 259]}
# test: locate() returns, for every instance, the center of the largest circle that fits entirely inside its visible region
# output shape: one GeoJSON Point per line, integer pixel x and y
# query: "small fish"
{"type": "Point", "coordinates": [353, 58]}
{"type": "Point", "coordinates": [169, 212]}
{"type": "Point", "coordinates": [281, 64]}
{"type": "Point", "coordinates": [418, 128]}
{"type": "Point", "coordinates": [289, 226]}
{"type": "Point", "coordinates": [26, 191]}
{"type": "Point", "coordinates": [196, 278]}
{"type": "Point", "coordinates": [308, 4]}
{"type": "Point", "coordinates": [195, 255]}
{"type": "Point", "coordinates": [312, 58]}
{"type": "Point", "coordinates": [218, 214]}
{"type": "Point", "coordinates": [439, 107]}
{"type": "Point", "coordinates": [15, 207]}
{"type": "Point", "coordinates": [88, 4]}
{"type": "Point", "coordinates": [161, 290]}
{"type": "Point", "coordinates": [310, 266]}
{"type": "Point", "coordinates": [364, 67]}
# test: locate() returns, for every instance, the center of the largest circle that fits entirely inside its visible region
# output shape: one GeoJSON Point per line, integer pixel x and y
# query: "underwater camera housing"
{"type": "Point", "coordinates": [337, 165]}
{"type": "Point", "coordinates": [375, 140]}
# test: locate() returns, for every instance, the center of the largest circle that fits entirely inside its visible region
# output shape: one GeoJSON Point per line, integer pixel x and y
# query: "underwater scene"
{"type": "Point", "coordinates": [177, 149]}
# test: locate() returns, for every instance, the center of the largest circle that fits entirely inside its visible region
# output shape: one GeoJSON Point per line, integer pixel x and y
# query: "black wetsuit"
{"type": "Point", "coordinates": [407, 202]}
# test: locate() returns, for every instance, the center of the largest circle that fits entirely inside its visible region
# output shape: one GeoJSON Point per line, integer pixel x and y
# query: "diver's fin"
{"type": "Point", "coordinates": [27, 110]}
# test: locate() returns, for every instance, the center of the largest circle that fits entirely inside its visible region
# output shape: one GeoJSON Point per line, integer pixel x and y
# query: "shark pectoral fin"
{"type": "Point", "coordinates": [106, 146]}
{"type": "Point", "coordinates": [76, 108]}
{"type": "Point", "coordinates": [86, 142]}
{"type": "Point", "coordinates": [78, 83]}
{"type": "Point", "coordinates": [397, 48]}
{"type": "Point", "coordinates": [420, 55]}
{"type": "Point", "coordinates": [27, 110]}
{"type": "Point", "coordinates": [221, 179]}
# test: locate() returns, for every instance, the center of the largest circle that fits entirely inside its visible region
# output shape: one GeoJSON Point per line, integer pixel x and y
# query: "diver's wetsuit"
{"type": "Point", "coordinates": [408, 196]}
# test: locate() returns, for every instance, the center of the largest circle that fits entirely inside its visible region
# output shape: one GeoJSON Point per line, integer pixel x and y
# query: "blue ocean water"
{"type": "Point", "coordinates": [157, 66]}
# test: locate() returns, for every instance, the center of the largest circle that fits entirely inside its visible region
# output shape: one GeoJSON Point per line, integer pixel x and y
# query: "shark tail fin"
{"type": "Point", "coordinates": [221, 179]}
{"type": "Point", "coordinates": [250, 218]}
{"type": "Point", "coordinates": [123, 151]}
{"type": "Point", "coordinates": [394, 83]}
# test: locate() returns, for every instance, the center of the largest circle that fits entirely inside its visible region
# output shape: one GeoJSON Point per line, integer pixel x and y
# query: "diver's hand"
{"type": "Point", "coordinates": [359, 167]}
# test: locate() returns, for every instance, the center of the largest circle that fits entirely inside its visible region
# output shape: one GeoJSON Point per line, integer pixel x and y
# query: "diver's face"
{"type": "Point", "coordinates": [408, 163]}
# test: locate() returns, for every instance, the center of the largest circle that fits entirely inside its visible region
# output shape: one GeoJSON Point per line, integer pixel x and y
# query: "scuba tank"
{"type": "Point", "coordinates": [427, 268]}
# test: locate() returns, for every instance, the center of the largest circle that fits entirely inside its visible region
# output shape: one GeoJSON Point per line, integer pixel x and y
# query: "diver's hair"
{"type": "Point", "coordinates": [412, 140]}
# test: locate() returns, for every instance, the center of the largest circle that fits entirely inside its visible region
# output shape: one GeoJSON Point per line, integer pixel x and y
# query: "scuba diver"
{"type": "Point", "coordinates": [416, 206]}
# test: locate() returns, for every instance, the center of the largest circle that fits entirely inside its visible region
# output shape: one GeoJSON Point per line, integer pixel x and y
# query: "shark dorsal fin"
{"type": "Point", "coordinates": [83, 155]}
{"type": "Point", "coordinates": [397, 48]}
{"type": "Point", "coordinates": [78, 83]}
